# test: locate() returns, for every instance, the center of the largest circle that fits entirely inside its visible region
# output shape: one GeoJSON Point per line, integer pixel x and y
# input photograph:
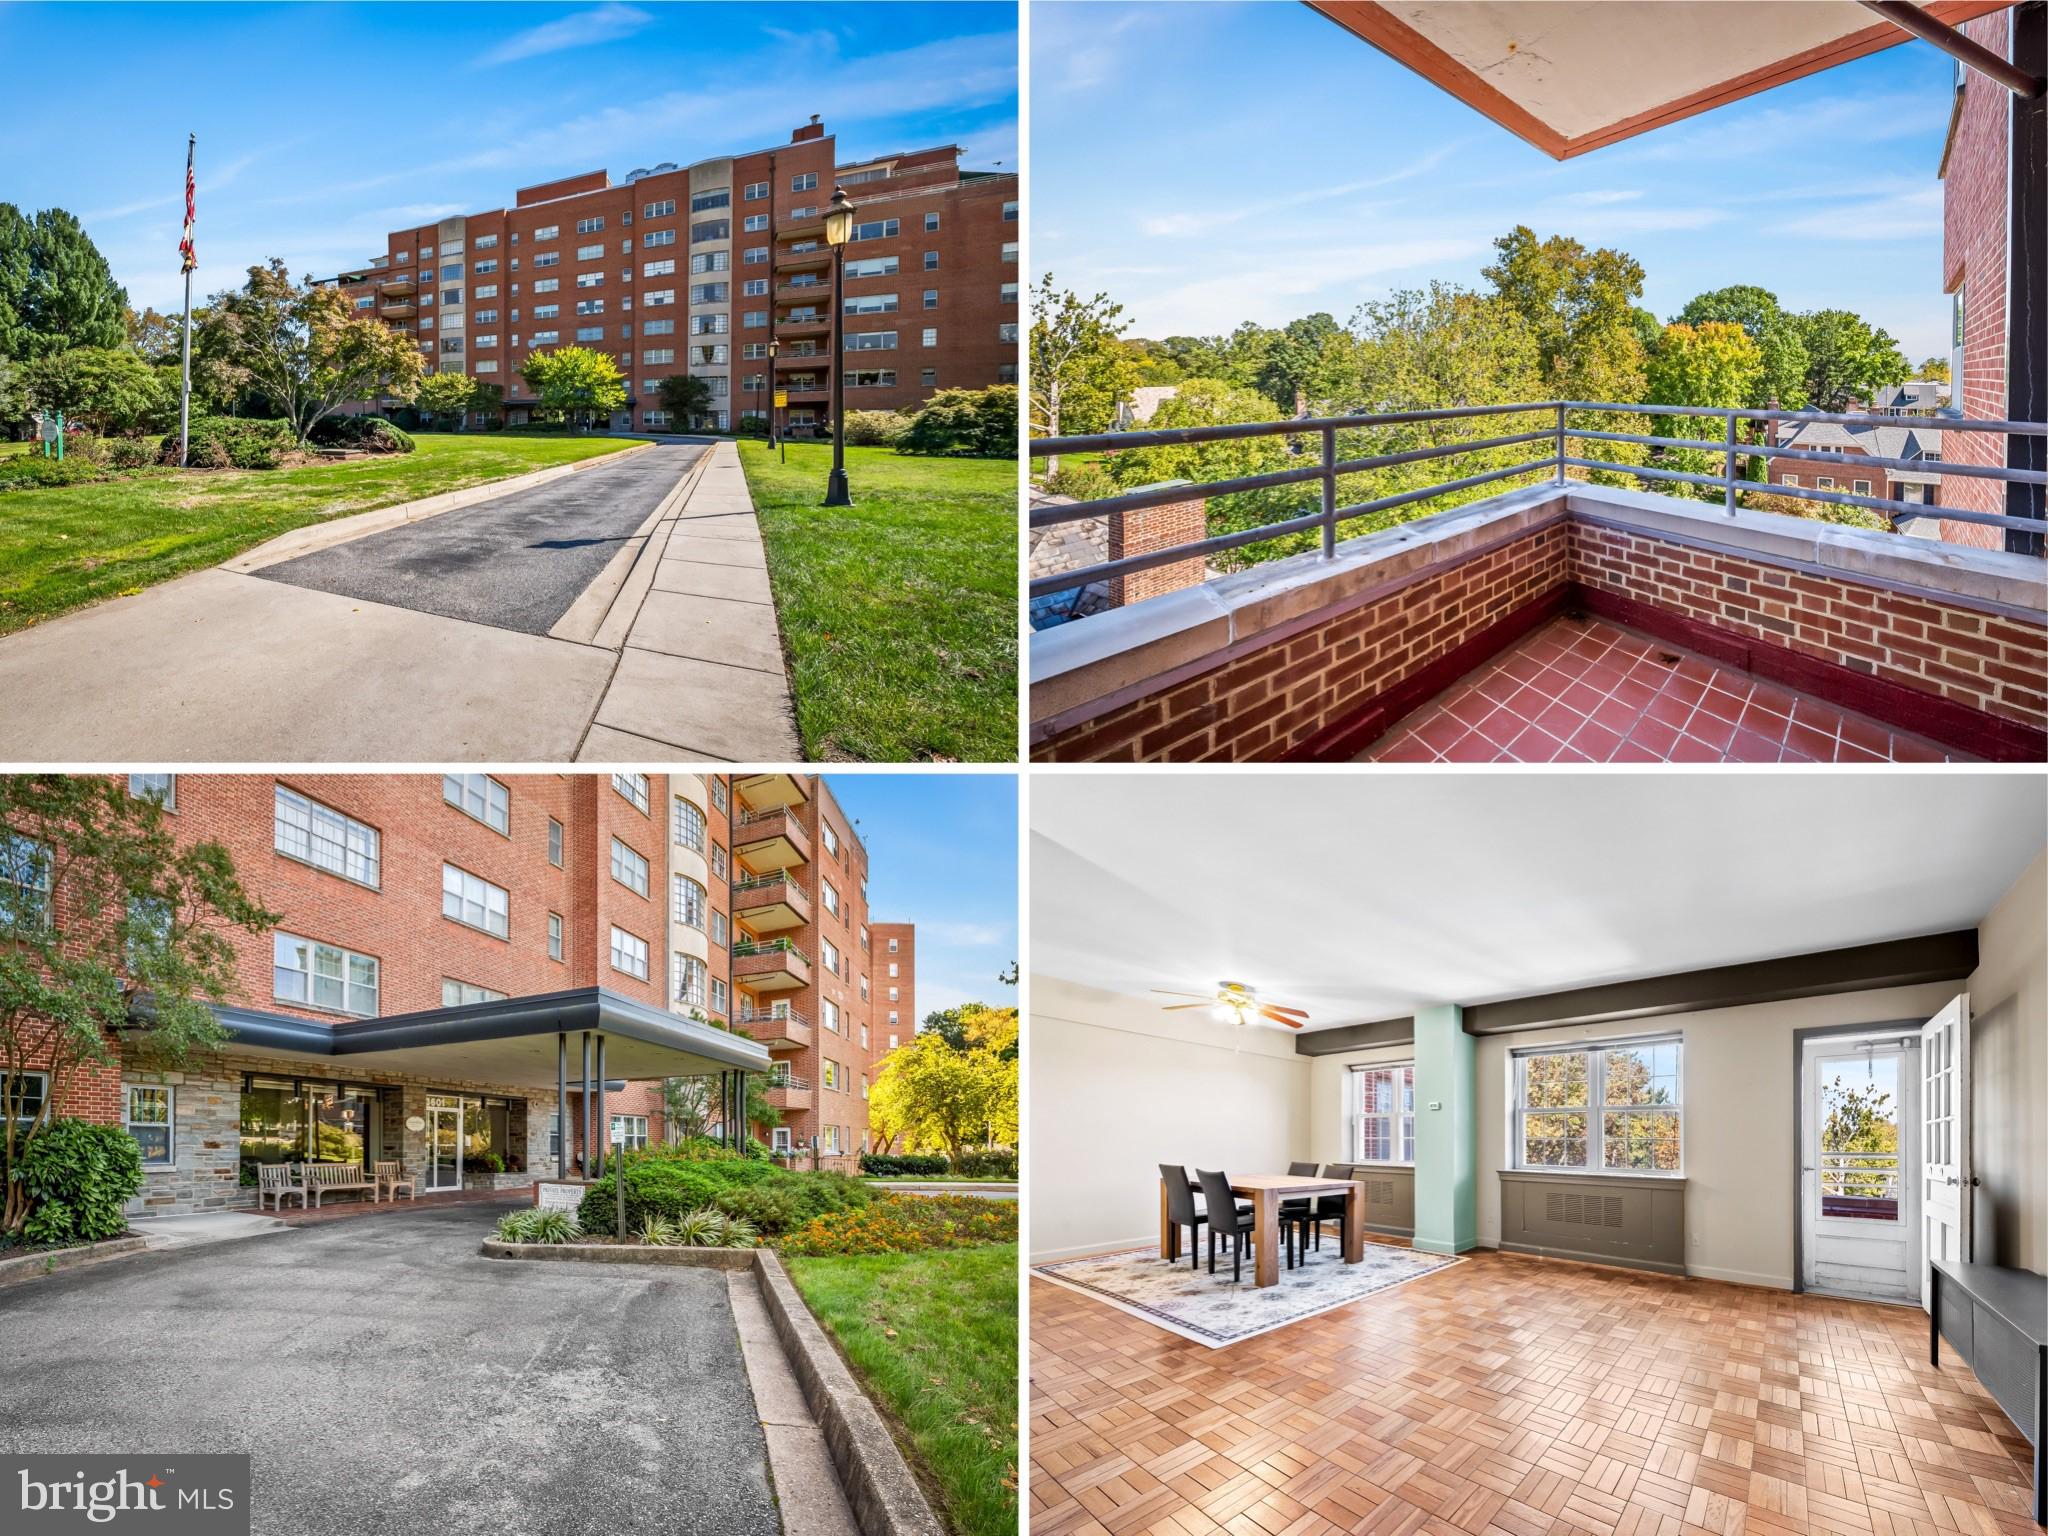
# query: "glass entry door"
{"type": "Point", "coordinates": [1860, 1207]}
{"type": "Point", "coordinates": [444, 1144]}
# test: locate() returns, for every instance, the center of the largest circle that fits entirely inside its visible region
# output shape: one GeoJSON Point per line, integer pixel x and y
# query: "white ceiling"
{"type": "Point", "coordinates": [1363, 895]}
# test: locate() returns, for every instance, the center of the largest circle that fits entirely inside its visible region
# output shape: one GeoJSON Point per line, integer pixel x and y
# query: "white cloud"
{"type": "Point", "coordinates": [605, 24]}
{"type": "Point", "coordinates": [1905, 215]}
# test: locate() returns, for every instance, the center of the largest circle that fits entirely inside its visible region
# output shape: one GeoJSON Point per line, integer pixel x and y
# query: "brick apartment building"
{"type": "Point", "coordinates": [446, 943]}
{"type": "Point", "coordinates": [1915, 439]}
{"type": "Point", "coordinates": [721, 270]}
{"type": "Point", "coordinates": [1994, 208]}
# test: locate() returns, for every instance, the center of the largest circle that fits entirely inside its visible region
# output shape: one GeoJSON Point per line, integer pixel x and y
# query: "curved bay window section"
{"type": "Point", "coordinates": [291, 1120]}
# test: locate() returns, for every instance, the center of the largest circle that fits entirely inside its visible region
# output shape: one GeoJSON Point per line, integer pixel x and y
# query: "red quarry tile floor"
{"type": "Point", "coordinates": [1584, 690]}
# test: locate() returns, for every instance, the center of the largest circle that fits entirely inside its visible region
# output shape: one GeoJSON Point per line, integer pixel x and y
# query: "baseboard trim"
{"type": "Point", "coordinates": [1091, 1250]}
{"type": "Point", "coordinates": [1603, 1260]}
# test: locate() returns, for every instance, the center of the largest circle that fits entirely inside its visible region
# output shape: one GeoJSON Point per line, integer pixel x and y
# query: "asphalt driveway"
{"type": "Point", "coordinates": [515, 562]}
{"type": "Point", "coordinates": [385, 1377]}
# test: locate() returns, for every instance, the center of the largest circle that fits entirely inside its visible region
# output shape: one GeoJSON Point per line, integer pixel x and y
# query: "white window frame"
{"type": "Point", "coordinates": [1399, 1121]}
{"type": "Point", "coordinates": [688, 902]}
{"type": "Point", "coordinates": [360, 860]}
{"type": "Point", "coordinates": [689, 825]}
{"type": "Point", "coordinates": [634, 1127]}
{"type": "Point", "coordinates": [312, 974]}
{"type": "Point", "coordinates": [462, 994]}
{"type": "Point", "coordinates": [169, 1121]}
{"type": "Point", "coordinates": [1596, 1110]}
{"type": "Point", "coordinates": [42, 1094]}
{"type": "Point", "coordinates": [554, 935]}
{"type": "Point", "coordinates": [556, 839]}
{"type": "Point", "coordinates": [689, 980]}
{"type": "Point", "coordinates": [633, 951]}
{"type": "Point", "coordinates": [468, 891]}
{"type": "Point", "coordinates": [160, 787]}
{"type": "Point", "coordinates": [632, 787]}
{"type": "Point", "coordinates": [629, 868]}
{"type": "Point", "coordinates": [492, 800]}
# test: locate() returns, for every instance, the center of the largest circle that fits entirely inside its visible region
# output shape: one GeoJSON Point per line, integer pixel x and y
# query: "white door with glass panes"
{"type": "Point", "coordinates": [444, 1144]}
{"type": "Point", "coordinates": [1859, 1203]}
{"type": "Point", "coordinates": [1945, 1177]}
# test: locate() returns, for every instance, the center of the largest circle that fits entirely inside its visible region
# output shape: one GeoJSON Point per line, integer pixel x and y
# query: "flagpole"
{"type": "Point", "coordinates": [185, 390]}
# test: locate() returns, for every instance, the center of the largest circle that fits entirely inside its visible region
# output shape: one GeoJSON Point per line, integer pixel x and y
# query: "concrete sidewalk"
{"type": "Point", "coordinates": [700, 670]}
{"type": "Point", "coordinates": [227, 666]}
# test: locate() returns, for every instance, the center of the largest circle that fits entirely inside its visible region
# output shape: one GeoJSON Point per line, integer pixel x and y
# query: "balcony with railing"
{"type": "Point", "coordinates": [787, 1091]}
{"type": "Point", "coordinates": [770, 903]}
{"type": "Point", "coordinates": [780, 1029]}
{"type": "Point", "coordinates": [1512, 593]}
{"type": "Point", "coordinates": [772, 791]}
{"type": "Point", "coordinates": [771, 840]}
{"type": "Point", "coordinates": [1860, 1186]}
{"type": "Point", "coordinates": [770, 965]}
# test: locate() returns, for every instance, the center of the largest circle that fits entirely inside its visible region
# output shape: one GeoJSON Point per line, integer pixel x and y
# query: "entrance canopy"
{"type": "Point", "coordinates": [510, 1041]}
{"type": "Point", "coordinates": [1569, 78]}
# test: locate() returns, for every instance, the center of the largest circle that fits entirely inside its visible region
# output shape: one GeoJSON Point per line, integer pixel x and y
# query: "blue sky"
{"type": "Point", "coordinates": [1155, 130]}
{"type": "Point", "coordinates": [323, 126]}
{"type": "Point", "coordinates": [942, 853]}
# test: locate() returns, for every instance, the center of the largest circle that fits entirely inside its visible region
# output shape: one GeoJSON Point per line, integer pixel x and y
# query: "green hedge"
{"type": "Point", "coordinates": [366, 434]}
{"type": "Point", "coordinates": [986, 1165]}
{"type": "Point", "coordinates": [231, 442]}
{"type": "Point", "coordinates": [33, 472]}
{"type": "Point", "coordinates": [79, 1176]}
{"type": "Point", "coordinates": [903, 1165]}
{"type": "Point", "coordinates": [774, 1199]}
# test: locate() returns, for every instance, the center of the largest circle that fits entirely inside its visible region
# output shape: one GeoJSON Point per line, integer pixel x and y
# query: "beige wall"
{"type": "Point", "coordinates": [1118, 1086]}
{"type": "Point", "coordinates": [2009, 1075]}
{"type": "Point", "coordinates": [1326, 1076]}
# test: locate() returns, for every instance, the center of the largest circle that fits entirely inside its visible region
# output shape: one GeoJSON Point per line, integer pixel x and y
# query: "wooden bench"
{"type": "Point", "coordinates": [276, 1180]}
{"type": "Point", "coordinates": [390, 1181]}
{"type": "Point", "coordinates": [334, 1178]}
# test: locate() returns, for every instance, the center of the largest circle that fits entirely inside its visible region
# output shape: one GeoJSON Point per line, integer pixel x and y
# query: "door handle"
{"type": "Point", "coordinates": [1952, 1179]}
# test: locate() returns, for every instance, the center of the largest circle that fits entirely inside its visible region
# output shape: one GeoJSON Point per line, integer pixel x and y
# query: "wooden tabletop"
{"type": "Point", "coordinates": [1286, 1183]}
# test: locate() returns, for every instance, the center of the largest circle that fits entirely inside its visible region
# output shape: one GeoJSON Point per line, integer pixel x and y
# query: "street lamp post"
{"type": "Point", "coordinates": [774, 347]}
{"type": "Point", "coordinates": [838, 230]}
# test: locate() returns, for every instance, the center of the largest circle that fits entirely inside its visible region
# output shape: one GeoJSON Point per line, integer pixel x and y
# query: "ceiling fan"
{"type": "Point", "coordinates": [1235, 1003]}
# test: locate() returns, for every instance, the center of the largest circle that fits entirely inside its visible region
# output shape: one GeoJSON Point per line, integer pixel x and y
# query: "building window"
{"type": "Point", "coordinates": [629, 868]}
{"type": "Point", "coordinates": [321, 836]}
{"type": "Point", "coordinates": [710, 229]}
{"type": "Point", "coordinates": [666, 267]}
{"type": "Point", "coordinates": [629, 953]}
{"type": "Point", "coordinates": [892, 970]}
{"type": "Point", "coordinates": [480, 796]}
{"type": "Point", "coordinates": [459, 994]}
{"type": "Point", "coordinates": [831, 955]}
{"type": "Point", "coordinates": [690, 903]}
{"type": "Point", "coordinates": [931, 261]}
{"type": "Point", "coordinates": [659, 210]}
{"type": "Point", "coordinates": [1009, 250]}
{"type": "Point", "coordinates": [828, 1140]}
{"type": "Point", "coordinates": [718, 1001]}
{"type": "Point", "coordinates": [148, 1119]}
{"type": "Point", "coordinates": [554, 935]}
{"type": "Point", "coordinates": [1380, 1111]}
{"type": "Point", "coordinates": [322, 976]}
{"type": "Point", "coordinates": [657, 237]}
{"type": "Point", "coordinates": [554, 842]}
{"type": "Point", "coordinates": [931, 335]}
{"type": "Point", "coordinates": [688, 977]}
{"type": "Point", "coordinates": [475, 903]}
{"type": "Point", "coordinates": [828, 1014]}
{"type": "Point", "coordinates": [1615, 1106]}
{"type": "Point", "coordinates": [24, 1093]}
{"type": "Point", "coordinates": [805, 181]}
{"type": "Point", "coordinates": [755, 191]}
{"type": "Point", "coordinates": [160, 787]}
{"type": "Point", "coordinates": [831, 838]}
{"type": "Point", "coordinates": [1859, 487]}
{"type": "Point", "coordinates": [1010, 212]}
{"type": "Point", "coordinates": [931, 223]}
{"type": "Point", "coordinates": [831, 1077]}
{"type": "Point", "coordinates": [892, 946]}
{"type": "Point", "coordinates": [590, 226]}
{"type": "Point", "coordinates": [689, 823]}
{"type": "Point", "coordinates": [718, 929]}
{"type": "Point", "coordinates": [931, 298]}
{"type": "Point", "coordinates": [718, 861]}
{"type": "Point", "coordinates": [928, 377]}
{"type": "Point", "coordinates": [632, 786]}
{"type": "Point", "coordinates": [831, 897]}
{"type": "Point", "coordinates": [1007, 332]}
{"type": "Point", "coordinates": [629, 1132]}
{"type": "Point", "coordinates": [877, 229]}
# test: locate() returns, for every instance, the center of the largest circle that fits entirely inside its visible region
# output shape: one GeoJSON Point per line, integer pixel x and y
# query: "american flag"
{"type": "Point", "coordinates": [185, 246]}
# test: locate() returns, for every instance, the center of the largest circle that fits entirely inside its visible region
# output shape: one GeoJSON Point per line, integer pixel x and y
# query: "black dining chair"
{"type": "Point", "coordinates": [1335, 1208]}
{"type": "Point", "coordinates": [1181, 1210]}
{"type": "Point", "coordinates": [1296, 1216]}
{"type": "Point", "coordinates": [1238, 1225]}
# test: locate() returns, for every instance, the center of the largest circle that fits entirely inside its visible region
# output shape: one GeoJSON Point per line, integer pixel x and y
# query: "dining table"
{"type": "Point", "coordinates": [1266, 1191]}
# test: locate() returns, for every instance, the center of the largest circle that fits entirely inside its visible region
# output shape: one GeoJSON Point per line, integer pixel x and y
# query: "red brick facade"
{"type": "Point", "coordinates": [1975, 211]}
{"type": "Point", "coordinates": [737, 259]}
{"type": "Point", "coordinates": [1968, 677]}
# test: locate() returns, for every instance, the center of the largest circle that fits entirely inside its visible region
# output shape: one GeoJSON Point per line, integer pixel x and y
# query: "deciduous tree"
{"type": "Point", "coordinates": [445, 394]}
{"type": "Point", "coordinates": [304, 347]}
{"type": "Point", "coordinates": [930, 1093]}
{"type": "Point", "coordinates": [685, 397]}
{"type": "Point", "coordinates": [1780, 350]}
{"type": "Point", "coordinates": [1847, 359]}
{"type": "Point", "coordinates": [1580, 304]}
{"type": "Point", "coordinates": [1080, 370]}
{"type": "Point", "coordinates": [108, 389]}
{"type": "Point", "coordinates": [575, 382]}
{"type": "Point", "coordinates": [1712, 363]}
{"type": "Point", "coordinates": [110, 925]}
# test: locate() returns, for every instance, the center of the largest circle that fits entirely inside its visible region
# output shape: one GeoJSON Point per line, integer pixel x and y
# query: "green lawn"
{"type": "Point", "coordinates": [933, 1337]}
{"type": "Point", "coordinates": [7, 448]}
{"type": "Point", "coordinates": [899, 614]}
{"type": "Point", "coordinates": [66, 547]}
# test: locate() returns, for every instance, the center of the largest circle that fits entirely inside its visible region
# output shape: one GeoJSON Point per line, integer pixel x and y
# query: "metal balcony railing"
{"type": "Point", "coordinates": [788, 1080]}
{"type": "Point", "coordinates": [1558, 436]}
{"type": "Point", "coordinates": [770, 1016]}
{"type": "Point", "coordinates": [1867, 1175]}
{"type": "Point", "coordinates": [761, 882]}
{"type": "Point", "coordinates": [747, 947]}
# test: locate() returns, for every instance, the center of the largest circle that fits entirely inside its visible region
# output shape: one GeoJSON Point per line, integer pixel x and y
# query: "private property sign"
{"type": "Point", "coordinates": [558, 1195]}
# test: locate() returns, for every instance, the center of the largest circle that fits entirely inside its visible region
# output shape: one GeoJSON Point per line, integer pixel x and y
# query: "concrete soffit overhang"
{"type": "Point", "coordinates": [512, 1041]}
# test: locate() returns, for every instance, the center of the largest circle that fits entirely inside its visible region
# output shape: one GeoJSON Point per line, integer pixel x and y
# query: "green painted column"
{"type": "Point", "coordinates": [1446, 1133]}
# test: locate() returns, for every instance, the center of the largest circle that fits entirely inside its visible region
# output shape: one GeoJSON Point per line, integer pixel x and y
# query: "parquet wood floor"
{"type": "Point", "coordinates": [1516, 1397]}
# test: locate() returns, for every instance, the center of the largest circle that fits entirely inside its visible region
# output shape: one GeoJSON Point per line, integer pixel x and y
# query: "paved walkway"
{"type": "Point", "coordinates": [384, 1376]}
{"type": "Point", "coordinates": [237, 666]}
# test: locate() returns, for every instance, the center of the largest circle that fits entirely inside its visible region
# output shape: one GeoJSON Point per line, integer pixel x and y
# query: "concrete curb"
{"type": "Point", "coordinates": [607, 1253]}
{"type": "Point", "coordinates": [879, 1486]}
{"type": "Point", "coordinates": [605, 610]}
{"type": "Point", "coordinates": [345, 530]}
{"type": "Point", "coordinates": [29, 1266]}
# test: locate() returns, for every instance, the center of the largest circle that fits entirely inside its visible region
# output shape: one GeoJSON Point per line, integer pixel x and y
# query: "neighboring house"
{"type": "Point", "coordinates": [1916, 397]}
{"type": "Point", "coordinates": [1064, 547]}
{"type": "Point", "coordinates": [1144, 402]}
{"type": "Point", "coordinates": [1920, 443]}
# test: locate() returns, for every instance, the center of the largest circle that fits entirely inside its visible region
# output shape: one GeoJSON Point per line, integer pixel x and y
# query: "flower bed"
{"type": "Point", "coordinates": [907, 1224]}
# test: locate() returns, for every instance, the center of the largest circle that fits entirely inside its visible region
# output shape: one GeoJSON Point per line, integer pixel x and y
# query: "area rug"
{"type": "Point", "coordinates": [1212, 1310]}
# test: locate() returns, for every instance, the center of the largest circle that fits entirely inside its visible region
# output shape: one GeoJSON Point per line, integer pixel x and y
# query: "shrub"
{"type": "Point", "coordinates": [753, 426]}
{"type": "Point", "coordinates": [534, 1226]}
{"type": "Point", "coordinates": [366, 434]}
{"type": "Point", "coordinates": [79, 1176]}
{"type": "Point", "coordinates": [994, 1163]}
{"type": "Point", "coordinates": [912, 1165]}
{"type": "Point", "coordinates": [1082, 480]}
{"type": "Point", "coordinates": [130, 452]}
{"type": "Point", "coordinates": [875, 429]}
{"type": "Point", "coordinates": [768, 1198]}
{"type": "Point", "coordinates": [965, 423]}
{"type": "Point", "coordinates": [218, 442]}
{"type": "Point", "coordinates": [908, 1224]}
{"type": "Point", "coordinates": [33, 472]}
{"type": "Point", "coordinates": [488, 1162]}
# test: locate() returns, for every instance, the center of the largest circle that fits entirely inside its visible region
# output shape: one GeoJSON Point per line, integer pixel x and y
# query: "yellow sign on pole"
{"type": "Point", "coordinates": [781, 398]}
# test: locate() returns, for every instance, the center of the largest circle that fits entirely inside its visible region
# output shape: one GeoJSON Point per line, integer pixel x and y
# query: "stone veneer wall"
{"type": "Point", "coordinates": [1266, 701]}
{"type": "Point", "coordinates": [1998, 666]}
{"type": "Point", "coordinates": [207, 1129]}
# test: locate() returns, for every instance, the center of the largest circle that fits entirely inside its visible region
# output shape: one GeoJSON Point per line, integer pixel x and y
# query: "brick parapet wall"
{"type": "Point", "coordinates": [1998, 666]}
{"type": "Point", "coordinates": [1267, 701]}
